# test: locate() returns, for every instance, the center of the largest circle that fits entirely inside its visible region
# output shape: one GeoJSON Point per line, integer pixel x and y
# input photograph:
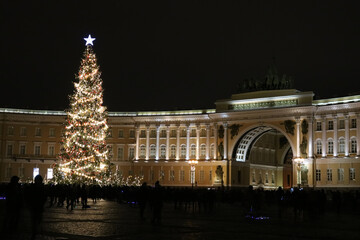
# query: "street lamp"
{"type": "Point", "coordinates": [192, 164]}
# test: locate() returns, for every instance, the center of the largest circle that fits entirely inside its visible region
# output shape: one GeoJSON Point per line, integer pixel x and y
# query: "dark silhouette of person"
{"type": "Point", "coordinates": [37, 199]}
{"type": "Point", "coordinates": [142, 199]}
{"type": "Point", "coordinates": [157, 203]}
{"type": "Point", "coordinates": [84, 196]}
{"type": "Point", "coordinates": [14, 203]}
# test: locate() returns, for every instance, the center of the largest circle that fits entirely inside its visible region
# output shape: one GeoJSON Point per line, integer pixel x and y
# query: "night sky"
{"type": "Point", "coordinates": [168, 55]}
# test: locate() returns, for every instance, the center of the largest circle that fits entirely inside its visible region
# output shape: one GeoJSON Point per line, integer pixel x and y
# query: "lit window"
{"type": "Point", "coordinates": [330, 147]}
{"type": "Point", "coordinates": [152, 150]}
{"type": "Point", "coordinates": [340, 174]}
{"type": "Point", "coordinates": [36, 172]}
{"type": "Point", "coordinates": [202, 150]}
{"type": "Point", "coordinates": [353, 145]}
{"type": "Point", "coordinates": [131, 153]}
{"type": "Point", "coordinates": [173, 151]}
{"type": "Point", "coordinates": [183, 151]}
{"type": "Point", "coordinates": [193, 150]}
{"type": "Point", "coordinates": [318, 175]}
{"type": "Point", "coordinates": [142, 151]}
{"type": "Point", "coordinates": [352, 174]}
{"type": "Point", "coordinates": [163, 151]}
{"type": "Point", "coordinates": [49, 173]}
{"type": "Point", "coordinates": [172, 175]}
{"type": "Point", "coordinates": [329, 174]}
{"type": "Point", "coordinates": [318, 147]}
{"type": "Point", "coordinates": [341, 145]}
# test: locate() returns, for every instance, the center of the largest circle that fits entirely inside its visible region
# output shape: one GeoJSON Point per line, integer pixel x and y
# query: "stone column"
{"type": "Point", "coordinates": [187, 142]}
{"type": "Point", "coordinates": [310, 142]}
{"type": "Point", "coordinates": [323, 132]}
{"type": "Point", "coordinates": [197, 142]}
{"type": "Point", "coordinates": [298, 154]}
{"type": "Point", "coordinates": [178, 143]}
{"type": "Point", "coordinates": [347, 133]}
{"type": "Point", "coordinates": [215, 142]}
{"type": "Point", "coordinates": [167, 141]}
{"type": "Point", "coordinates": [335, 136]}
{"type": "Point", "coordinates": [147, 142]}
{"type": "Point", "coordinates": [207, 141]}
{"type": "Point", "coordinates": [157, 142]}
{"type": "Point", "coordinates": [225, 140]}
{"type": "Point", "coordinates": [137, 132]}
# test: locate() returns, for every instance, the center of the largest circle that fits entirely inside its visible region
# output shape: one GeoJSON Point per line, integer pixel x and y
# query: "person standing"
{"type": "Point", "coordinates": [37, 199]}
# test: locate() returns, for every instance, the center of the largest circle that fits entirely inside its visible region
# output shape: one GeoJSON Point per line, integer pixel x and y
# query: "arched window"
{"type": "Point", "coordinates": [212, 151]}
{"type": "Point", "coordinates": [330, 146]}
{"type": "Point", "coordinates": [162, 151]}
{"type": "Point", "coordinates": [142, 151]}
{"type": "Point", "coordinates": [183, 151]}
{"type": "Point", "coordinates": [193, 150]}
{"type": "Point", "coordinates": [318, 147]}
{"type": "Point", "coordinates": [353, 145]}
{"type": "Point", "coordinates": [341, 145]}
{"type": "Point", "coordinates": [202, 150]}
{"type": "Point", "coordinates": [152, 150]}
{"type": "Point", "coordinates": [173, 151]}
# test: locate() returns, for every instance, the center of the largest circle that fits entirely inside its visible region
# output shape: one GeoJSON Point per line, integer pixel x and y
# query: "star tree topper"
{"type": "Point", "coordinates": [89, 40]}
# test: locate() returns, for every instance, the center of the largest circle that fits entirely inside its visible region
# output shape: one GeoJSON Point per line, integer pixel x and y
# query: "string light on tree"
{"type": "Point", "coordinates": [84, 156]}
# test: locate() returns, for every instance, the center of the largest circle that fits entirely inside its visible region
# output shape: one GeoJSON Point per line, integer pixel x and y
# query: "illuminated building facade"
{"type": "Point", "coordinates": [267, 138]}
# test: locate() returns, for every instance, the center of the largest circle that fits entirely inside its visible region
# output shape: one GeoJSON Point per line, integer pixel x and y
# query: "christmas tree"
{"type": "Point", "coordinates": [84, 156]}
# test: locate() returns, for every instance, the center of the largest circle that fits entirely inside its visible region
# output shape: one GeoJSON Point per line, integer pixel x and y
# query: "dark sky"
{"type": "Point", "coordinates": [167, 55]}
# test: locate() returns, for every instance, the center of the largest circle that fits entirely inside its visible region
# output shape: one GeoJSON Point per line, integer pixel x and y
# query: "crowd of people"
{"type": "Point", "coordinates": [297, 202]}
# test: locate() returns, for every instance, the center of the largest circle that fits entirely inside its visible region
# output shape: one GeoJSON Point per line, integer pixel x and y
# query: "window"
{"type": "Point", "coordinates": [22, 149]}
{"type": "Point", "coordinates": [183, 151]}
{"type": "Point", "coordinates": [121, 133]}
{"type": "Point", "coordinates": [142, 134]}
{"type": "Point", "coordinates": [210, 175]}
{"type": "Point", "coordinates": [152, 150]}
{"type": "Point", "coordinates": [203, 132]}
{"type": "Point", "coordinates": [162, 175]}
{"type": "Point", "coordinates": [23, 131]}
{"type": "Point", "coordinates": [173, 133]}
{"type": "Point", "coordinates": [329, 174]}
{"type": "Point", "coordinates": [353, 145]}
{"type": "Point", "coordinates": [341, 124]}
{"type": "Point", "coordinates": [202, 175]}
{"type": "Point", "coordinates": [330, 146]}
{"type": "Point", "coordinates": [120, 153]}
{"type": "Point", "coordinates": [172, 175]}
{"type": "Point", "coordinates": [151, 175]}
{"type": "Point", "coordinates": [37, 150]}
{"type": "Point", "coordinates": [212, 151]}
{"type": "Point", "coordinates": [131, 134]}
{"type": "Point", "coordinates": [193, 150]}
{"type": "Point", "coordinates": [131, 153]}
{"type": "Point", "coordinates": [341, 145]}
{"type": "Point", "coordinates": [173, 151]}
{"type": "Point", "coordinates": [9, 150]}
{"type": "Point", "coordinates": [330, 125]}
{"type": "Point", "coordinates": [352, 174]}
{"type": "Point", "coordinates": [266, 178]}
{"type": "Point", "coordinates": [353, 123]}
{"type": "Point", "coordinates": [11, 131]}
{"type": "Point", "coordinates": [163, 133]}
{"type": "Point", "coordinates": [272, 178]}
{"type": "Point", "coordinates": [183, 133]}
{"type": "Point", "coordinates": [318, 126]}
{"type": "Point", "coordinates": [49, 173]}
{"type": "Point", "coordinates": [193, 133]}
{"type": "Point", "coordinates": [142, 151]}
{"type": "Point", "coordinates": [340, 174]}
{"type": "Point", "coordinates": [153, 133]}
{"type": "Point", "coordinates": [21, 172]}
{"type": "Point", "coordinates": [52, 132]}
{"type": "Point", "coordinates": [51, 150]}
{"type": "Point", "coordinates": [318, 147]}
{"type": "Point", "coordinates": [36, 172]}
{"type": "Point", "coordinates": [37, 132]}
{"type": "Point", "coordinates": [8, 172]}
{"type": "Point", "coordinates": [203, 150]}
{"type": "Point", "coordinates": [182, 176]}
{"type": "Point", "coordinates": [318, 175]}
{"type": "Point", "coordinates": [162, 151]}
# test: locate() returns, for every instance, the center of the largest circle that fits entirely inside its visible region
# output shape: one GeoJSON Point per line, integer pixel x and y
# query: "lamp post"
{"type": "Point", "coordinates": [192, 164]}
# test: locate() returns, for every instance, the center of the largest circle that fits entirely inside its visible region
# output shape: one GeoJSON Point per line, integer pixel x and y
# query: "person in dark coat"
{"type": "Point", "coordinates": [157, 203]}
{"type": "Point", "coordinates": [37, 199]}
{"type": "Point", "coordinates": [14, 203]}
